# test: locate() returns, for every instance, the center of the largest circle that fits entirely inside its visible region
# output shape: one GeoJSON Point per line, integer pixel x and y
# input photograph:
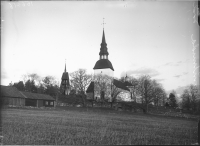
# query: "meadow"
{"type": "Point", "coordinates": [81, 126]}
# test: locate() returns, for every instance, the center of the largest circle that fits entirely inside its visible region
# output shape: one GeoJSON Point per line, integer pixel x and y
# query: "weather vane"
{"type": "Point", "coordinates": [103, 23]}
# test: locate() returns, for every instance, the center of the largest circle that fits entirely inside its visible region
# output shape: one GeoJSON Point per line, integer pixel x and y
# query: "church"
{"type": "Point", "coordinates": [104, 85]}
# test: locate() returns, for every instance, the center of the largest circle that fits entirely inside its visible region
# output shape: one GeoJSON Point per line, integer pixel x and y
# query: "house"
{"type": "Point", "coordinates": [12, 96]}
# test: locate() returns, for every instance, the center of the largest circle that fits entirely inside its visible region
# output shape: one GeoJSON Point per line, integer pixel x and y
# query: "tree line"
{"type": "Point", "coordinates": [191, 99]}
{"type": "Point", "coordinates": [36, 84]}
{"type": "Point", "coordinates": [148, 89]}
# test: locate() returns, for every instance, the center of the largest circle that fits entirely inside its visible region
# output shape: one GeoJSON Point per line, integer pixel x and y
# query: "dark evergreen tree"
{"type": "Point", "coordinates": [172, 100]}
{"type": "Point", "coordinates": [20, 86]}
{"type": "Point", "coordinates": [30, 86]}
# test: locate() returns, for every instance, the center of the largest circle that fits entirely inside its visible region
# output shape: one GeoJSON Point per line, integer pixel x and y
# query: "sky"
{"type": "Point", "coordinates": [158, 38]}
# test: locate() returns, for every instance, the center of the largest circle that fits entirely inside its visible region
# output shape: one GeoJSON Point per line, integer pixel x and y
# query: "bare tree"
{"type": "Point", "coordinates": [191, 98]}
{"type": "Point", "coordinates": [145, 90]}
{"type": "Point", "coordinates": [102, 87]}
{"type": "Point", "coordinates": [80, 80]}
{"type": "Point", "coordinates": [114, 93]}
{"type": "Point", "coordinates": [31, 77]}
{"type": "Point", "coordinates": [158, 93]}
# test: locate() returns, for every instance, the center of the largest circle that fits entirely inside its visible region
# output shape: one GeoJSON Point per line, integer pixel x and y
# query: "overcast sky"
{"type": "Point", "coordinates": [143, 37]}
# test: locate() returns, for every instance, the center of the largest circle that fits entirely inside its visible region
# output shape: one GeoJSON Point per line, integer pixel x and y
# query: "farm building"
{"type": "Point", "coordinates": [12, 96]}
{"type": "Point", "coordinates": [38, 100]}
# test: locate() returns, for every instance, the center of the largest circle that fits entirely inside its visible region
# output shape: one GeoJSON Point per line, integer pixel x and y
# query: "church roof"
{"type": "Point", "coordinates": [117, 83]}
{"type": "Point", "coordinates": [103, 63]}
{"type": "Point", "coordinates": [120, 84]}
{"type": "Point", "coordinates": [65, 76]}
{"type": "Point", "coordinates": [103, 49]}
{"type": "Point", "coordinates": [126, 83]}
{"type": "Point", "coordinates": [90, 88]}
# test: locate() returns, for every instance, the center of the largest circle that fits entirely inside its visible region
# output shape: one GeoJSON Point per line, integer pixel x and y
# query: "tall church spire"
{"type": "Point", "coordinates": [103, 38]}
{"type": "Point", "coordinates": [103, 62]}
{"type": "Point", "coordinates": [103, 49]}
{"type": "Point", "coordinates": [65, 85]}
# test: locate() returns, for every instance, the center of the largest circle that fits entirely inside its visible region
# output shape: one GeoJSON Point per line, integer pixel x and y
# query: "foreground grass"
{"type": "Point", "coordinates": [83, 127]}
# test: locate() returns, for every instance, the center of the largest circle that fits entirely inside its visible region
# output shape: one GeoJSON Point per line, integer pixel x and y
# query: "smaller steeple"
{"type": "Point", "coordinates": [126, 78]}
{"type": "Point", "coordinates": [65, 85]}
{"type": "Point", "coordinates": [65, 65]}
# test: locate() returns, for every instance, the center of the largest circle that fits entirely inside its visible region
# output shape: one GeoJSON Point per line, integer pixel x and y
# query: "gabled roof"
{"type": "Point", "coordinates": [90, 88]}
{"type": "Point", "coordinates": [30, 95]}
{"type": "Point", "coordinates": [103, 63]}
{"type": "Point", "coordinates": [9, 91]}
{"type": "Point", "coordinates": [120, 85]}
{"type": "Point", "coordinates": [126, 83]}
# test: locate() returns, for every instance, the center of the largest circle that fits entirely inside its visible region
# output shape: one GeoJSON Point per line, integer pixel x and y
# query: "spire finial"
{"type": "Point", "coordinates": [65, 65]}
{"type": "Point", "coordinates": [103, 23]}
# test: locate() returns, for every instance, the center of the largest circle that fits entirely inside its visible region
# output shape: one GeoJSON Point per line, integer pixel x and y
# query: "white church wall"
{"type": "Point", "coordinates": [105, 71]}
{"type": "Point", "coordinates": [125, 95]}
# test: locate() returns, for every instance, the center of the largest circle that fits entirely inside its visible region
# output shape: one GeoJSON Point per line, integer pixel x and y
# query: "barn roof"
{"type": "Point", "coordinates": [30, 95]}
{"type": "Point", "coordinates": [90, 88]}
{"type": "Point", "coordinates": [10, 91]}
{"type": "Point", "coordinates": [120, 84]}
{"type": "Point", "coordinates": [103, 63]}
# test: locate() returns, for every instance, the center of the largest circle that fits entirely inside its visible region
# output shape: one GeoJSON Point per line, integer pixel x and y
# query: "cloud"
{"type": "Point", "coordinates": [173, 63]}
{"type": "Point", "coordinates": [177, 76]}
{"type": "Point", "coordinates": [159, 80]}
{"type": "Point", "coordinates": [142, 71]}
{"type": "Point", "coordinates": [168, 64]}
{"type": "Point", "coordinates": [185, 73]}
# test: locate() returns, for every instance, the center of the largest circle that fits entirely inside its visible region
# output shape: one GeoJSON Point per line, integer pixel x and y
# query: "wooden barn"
{"type": "Point", "coordinates": [12, 96]}
{"type": "Point", "coordinates": [38, 100]}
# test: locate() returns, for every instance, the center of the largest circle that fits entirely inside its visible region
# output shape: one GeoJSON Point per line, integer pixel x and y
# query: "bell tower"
{"type": "Point", "coordinates": [103, 73]}
{"type": "Point", "coordinates": [65, 85]}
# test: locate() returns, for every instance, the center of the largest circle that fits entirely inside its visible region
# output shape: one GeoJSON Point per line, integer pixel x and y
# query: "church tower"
{"type": "Point", "coordinates": [65, 86]}
{"type": "Point", "coordinates": [103, 65]}
{"type": "Point", "coordinates": [103, 73]}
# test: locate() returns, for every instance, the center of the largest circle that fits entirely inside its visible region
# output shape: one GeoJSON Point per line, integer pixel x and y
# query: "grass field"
{"type": "Point", "coordinates": [80, 126]}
